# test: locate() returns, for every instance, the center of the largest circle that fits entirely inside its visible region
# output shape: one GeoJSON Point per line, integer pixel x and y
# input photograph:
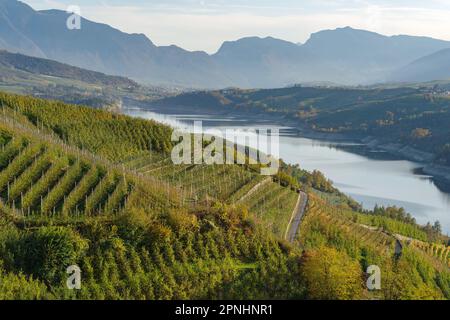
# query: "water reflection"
{"type": "Point", "coordinates": [368, 180]}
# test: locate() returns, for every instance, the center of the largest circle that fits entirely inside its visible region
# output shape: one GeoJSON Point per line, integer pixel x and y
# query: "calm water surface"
{"type": "Point", "coordinates": [370, 182]}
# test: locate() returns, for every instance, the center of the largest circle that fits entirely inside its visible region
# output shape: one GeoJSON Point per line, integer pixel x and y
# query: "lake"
{"type": "Point", "coordinates": [367, 180]}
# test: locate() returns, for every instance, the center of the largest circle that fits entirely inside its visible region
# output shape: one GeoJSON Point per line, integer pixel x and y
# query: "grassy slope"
{"type": "Point", "coordinates": [143, 241]}
{"type": "Point", "coordinates": [174, 233]}
{"type": "Point", "coordinates": [422, 273]}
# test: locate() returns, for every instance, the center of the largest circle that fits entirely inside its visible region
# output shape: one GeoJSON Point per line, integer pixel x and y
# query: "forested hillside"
{"type": "Point", "coordinates": [61, 70]}
{"type": "Point", "coordinates": [91, 188]}
{"type": "Point", "coordinates": [416, 116]}
{"type": "Point", "coordinates": [53, 80]}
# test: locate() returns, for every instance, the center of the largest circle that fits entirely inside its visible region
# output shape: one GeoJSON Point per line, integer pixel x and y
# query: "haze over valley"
{"type": "Point", "coordinates": [343, 56]}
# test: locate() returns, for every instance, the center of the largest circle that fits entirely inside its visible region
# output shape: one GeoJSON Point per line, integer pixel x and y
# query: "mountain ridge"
{"type": "Point", "coordinates": [428, 68]}
{"type": "Point", "coordinates": [56, 69]}
{"type": "Point", "coordinates": [344, 55]}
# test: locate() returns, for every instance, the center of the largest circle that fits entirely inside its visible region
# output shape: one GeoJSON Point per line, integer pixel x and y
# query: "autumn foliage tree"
{"type": "Point", "coordinates": [331, 275]}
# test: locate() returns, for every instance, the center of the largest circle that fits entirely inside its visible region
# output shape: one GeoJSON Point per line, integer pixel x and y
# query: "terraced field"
{"type": "Point", "coordinates": [38, 178]}
{"type": "Point", "coordinates": [319, 212]}
{"type": "Point", "coordinates": [43, 177]}
{"type": "Point", "coordinates": [271, 203]}
{"type": "Point", "coordinates": [337, 220]}
{"type": "Point", "coordinates": [437, 251]}
{"type": "Point", "coordinates": [143, 230]}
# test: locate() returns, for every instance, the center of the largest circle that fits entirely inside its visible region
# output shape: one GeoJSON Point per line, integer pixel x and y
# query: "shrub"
{"type": "Point", "coordinates": [47, 252]}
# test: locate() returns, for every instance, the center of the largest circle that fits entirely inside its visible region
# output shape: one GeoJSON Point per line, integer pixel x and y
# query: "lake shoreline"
{"type": "Point", "coordinates": [440, 174]}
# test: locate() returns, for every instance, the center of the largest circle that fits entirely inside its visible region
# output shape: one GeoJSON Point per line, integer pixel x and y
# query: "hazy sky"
{"type": "Point", "coordinates": [205, 24]}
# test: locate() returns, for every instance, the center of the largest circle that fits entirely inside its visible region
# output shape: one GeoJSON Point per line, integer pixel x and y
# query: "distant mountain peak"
{"type": "Point", "coordinates": [342, 34]}
{"type": "Point", "coordinates": [254, 43]}
{"type": "Point", "coordinates": [346, 55]}
{"type": "Point", "coordinates": [348, 29]}
{"type": "Point", "coordinates": [15, 4]}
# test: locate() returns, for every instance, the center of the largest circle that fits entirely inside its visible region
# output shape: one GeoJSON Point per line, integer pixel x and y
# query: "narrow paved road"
{"type": "Point", "coordinates": [297, 215]}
